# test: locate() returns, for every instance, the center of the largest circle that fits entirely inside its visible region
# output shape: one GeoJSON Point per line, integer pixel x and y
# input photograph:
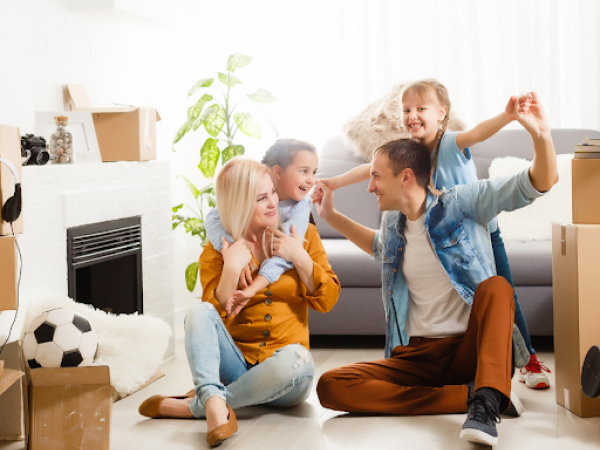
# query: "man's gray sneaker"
{"type": "Point", "coordinates": [480, 426]}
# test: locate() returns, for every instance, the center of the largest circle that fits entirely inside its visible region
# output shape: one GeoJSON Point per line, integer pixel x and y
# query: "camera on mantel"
{"type": "Point", "coordinates": [35, 149]}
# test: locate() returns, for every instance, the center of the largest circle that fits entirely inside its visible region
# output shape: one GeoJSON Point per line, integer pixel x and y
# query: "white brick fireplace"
{"type": "Point", "coordinates": [57, 197]}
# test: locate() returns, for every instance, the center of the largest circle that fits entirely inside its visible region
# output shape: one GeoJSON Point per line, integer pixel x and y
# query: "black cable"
{"type": "Point", "coordinates": [18, 288]}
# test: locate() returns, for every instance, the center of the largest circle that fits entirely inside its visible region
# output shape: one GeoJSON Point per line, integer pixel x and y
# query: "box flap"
{"type": "Point", "coordinates": [8, 377]}
{"type": "Point", "coordinates": [70, 375]}
{"type": "Point", "coordinates": [81, 102]}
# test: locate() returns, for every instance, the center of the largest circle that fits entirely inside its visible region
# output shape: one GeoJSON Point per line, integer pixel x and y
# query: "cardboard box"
{"type": "Point", "coordinates": [576, 284]}
{"type": "Point", "coordinates": [8, 273]}
{"type": "Point", "coordinates": [14, 415]}
{"type": "Point", "coordinates": [70, 408]}
{"type": "Point", "coordinates": [10, 148]}
{"type": "Point", "coordinates": [124, 133]}
{"type": "Point", "coordinates": [586, 190]}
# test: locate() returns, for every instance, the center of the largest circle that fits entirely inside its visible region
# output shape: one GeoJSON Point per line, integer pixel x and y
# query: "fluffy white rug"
{"type": "Point", "coordinates": [132, 346]}
{"type": "Point", "coordinates": [534, 222]}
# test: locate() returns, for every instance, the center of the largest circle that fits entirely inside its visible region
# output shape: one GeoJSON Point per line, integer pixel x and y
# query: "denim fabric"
{"type": "Point", "coordinates": [503, 270]}
{"type": "Point", "coordinates": [219, 367]}
{"type": "Point", "coordinates": [457, 224]}
{"type": "Point", "coordinates": [290, 212]}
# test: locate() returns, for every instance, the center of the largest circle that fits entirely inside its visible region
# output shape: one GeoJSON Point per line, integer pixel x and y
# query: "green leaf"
{"type": "Point", "coordinates": [187, 126]}
{"type": "Point", "coordinates": [215, 121]}
{"type": "Point", "coordinates": [191, 223]}
{"type": "Point", "coordinates": [247, 124]}
{"type": "Point", "coordinates": [191, 186]}
{"type": "Point", "coordinates": [209, 157]}
{"type": "Point", "coordinates": [229, 80]}
{"type": "Point", "coordinates": [262, 96]}
{"type": "Point", "coordinates": [206, 82]}
{"type": "Point", "coordinates": [202, 117]}
{"type": "Point", "coordinates": [231, 151]}
{"type": "Point", "coordinates": [237, 60]}
{"type": "Point", "coordinates": [195, 110]}
{"type": "Point", "coordinates": [175, 225]}
{"type": "Point", "coordinates": [198, 229]}
{"type": "Point", "coordinates": [177, 207]}
{"type": "Point", "coordinates": [212, 201]}
{"type": "Point", "coordinates": [208, 188]}
{"type": "Point", "coordinates": [191, 275]}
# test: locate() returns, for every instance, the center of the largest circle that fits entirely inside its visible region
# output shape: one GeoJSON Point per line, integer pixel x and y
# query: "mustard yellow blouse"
{"type": "Point", "coordinates": [278, 315]}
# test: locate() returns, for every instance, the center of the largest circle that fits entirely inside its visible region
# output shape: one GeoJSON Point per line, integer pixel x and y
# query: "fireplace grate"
{"type": "Point", "coordinates": [96, 247]}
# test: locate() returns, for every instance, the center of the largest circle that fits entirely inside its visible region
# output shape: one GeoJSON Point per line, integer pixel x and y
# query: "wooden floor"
{"type": "Point", "coordinates": [543, 426]}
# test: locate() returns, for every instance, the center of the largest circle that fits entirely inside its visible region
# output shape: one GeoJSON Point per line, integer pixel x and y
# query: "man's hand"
{"type": "Point", "coordinates": [237, 302]}
{"type": "Point", "coordinates": [325, 205]}
{"type": "Point", "coordinates": [532, 117]}
{"type": "Point", "coordinates": [290, 248]}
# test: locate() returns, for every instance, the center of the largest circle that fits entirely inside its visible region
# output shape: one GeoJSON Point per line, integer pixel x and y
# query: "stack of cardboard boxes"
{"type": "Point", "coordinates": [13, 386]}
{"type": "Point", "coordinates": [576, 286]}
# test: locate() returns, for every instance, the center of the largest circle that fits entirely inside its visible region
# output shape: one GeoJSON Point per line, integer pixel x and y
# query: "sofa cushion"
{"type": "Point", "coordinates": [530, 262]}
{"type": "Point", "coordinates": [353, 267]}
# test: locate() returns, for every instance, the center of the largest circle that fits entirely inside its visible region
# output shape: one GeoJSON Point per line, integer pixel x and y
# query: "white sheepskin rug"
{"type": "Point", "coordinates": [381, 122]}
{"type": "Point", "coordinates": [132, 346]}
{"type": "Point", "coordinates": [534, 222]}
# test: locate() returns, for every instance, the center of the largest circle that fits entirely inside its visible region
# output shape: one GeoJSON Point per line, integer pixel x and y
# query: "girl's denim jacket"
{"type": "Point", "coordinates": [457, 224]}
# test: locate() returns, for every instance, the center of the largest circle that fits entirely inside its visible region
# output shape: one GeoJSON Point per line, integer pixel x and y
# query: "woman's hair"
{"type": "Point", "coordinates": [236, 191]}
{"type": "Point", "coordinates": [283, 151]}
{"type": "Point", "coordinates": [408, 153]}
{"type": "Point", "coordinates": [426, 89]}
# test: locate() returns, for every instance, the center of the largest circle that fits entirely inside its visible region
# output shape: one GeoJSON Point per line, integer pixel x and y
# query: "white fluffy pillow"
{"type": "Point", "coordinates": [534, 222]}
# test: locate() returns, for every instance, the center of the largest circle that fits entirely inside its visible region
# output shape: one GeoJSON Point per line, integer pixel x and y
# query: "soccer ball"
{"type": "Point", "coordinates": [60, 338]}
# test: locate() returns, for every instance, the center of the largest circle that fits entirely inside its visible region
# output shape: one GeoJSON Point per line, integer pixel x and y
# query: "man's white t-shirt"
{"type": "Point", "coordinates": [435, 309]}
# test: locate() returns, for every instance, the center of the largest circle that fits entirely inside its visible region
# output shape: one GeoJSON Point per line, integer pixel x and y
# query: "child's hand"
{"type": "Point", "coordinates": [245, 278]}
{"type": "Point", "coordinates": [534, 118]}
{"type": "Point", "coordinates": [512, 109]}
{"type": "Point", "coordinates": [237, 302]}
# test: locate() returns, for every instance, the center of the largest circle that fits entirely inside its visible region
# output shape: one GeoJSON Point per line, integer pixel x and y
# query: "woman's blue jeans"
{"type": "Point", "coordinates": [503, 270]}
{"type": "Point", "coordinates": [219, 367]}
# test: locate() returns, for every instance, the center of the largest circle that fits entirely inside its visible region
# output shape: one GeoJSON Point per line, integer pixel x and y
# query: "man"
{"type": "Point", "coordinates": [450, 319]}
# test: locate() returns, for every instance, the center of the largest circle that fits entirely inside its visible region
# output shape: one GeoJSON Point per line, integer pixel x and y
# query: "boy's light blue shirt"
{"type": "Point", "coordinates": [457, 225]}
{"type": "Point", "coordinates": [291, 212]}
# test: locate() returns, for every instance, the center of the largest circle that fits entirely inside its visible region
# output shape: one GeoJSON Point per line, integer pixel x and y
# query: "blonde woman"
{"type": "Point", "coordinates": [255, 354]}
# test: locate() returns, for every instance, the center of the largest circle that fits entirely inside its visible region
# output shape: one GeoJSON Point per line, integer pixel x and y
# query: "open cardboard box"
{"type": "Point", "coordinates": [10, 148]}
{"type": "Point", "coordinates": [70, 408]}
{"type": "Point", "coordinates": [8, 273]}
{"type": "Point", "coordinates": [124, 133]}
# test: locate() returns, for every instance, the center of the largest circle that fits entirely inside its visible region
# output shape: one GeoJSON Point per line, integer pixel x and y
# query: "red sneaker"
{"type": "Point", "coordinates": [533, 374]}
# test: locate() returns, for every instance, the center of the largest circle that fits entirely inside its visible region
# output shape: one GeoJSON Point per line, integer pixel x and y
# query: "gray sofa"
{"type": "Point", "coordinates": [359, 310]}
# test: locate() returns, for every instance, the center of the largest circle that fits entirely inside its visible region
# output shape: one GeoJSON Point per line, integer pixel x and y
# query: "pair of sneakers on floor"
{"type": "Point", "coordinates": [483, 414]}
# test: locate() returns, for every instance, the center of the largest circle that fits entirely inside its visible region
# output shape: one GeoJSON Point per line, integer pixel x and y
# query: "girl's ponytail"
{"type": "Point", "coordinates": [436, 149]}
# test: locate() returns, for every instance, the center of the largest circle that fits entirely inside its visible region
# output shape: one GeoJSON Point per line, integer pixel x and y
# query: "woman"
{"type": "Point", "coordinates": [254, 354]}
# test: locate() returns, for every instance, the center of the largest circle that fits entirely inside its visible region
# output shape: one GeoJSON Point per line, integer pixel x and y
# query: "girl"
{"type": "Point", "coordinates": [426, 107]}
{"type": "Point", "coordinates": [293, 165]}
{"type": "Point", "coordinates": [260, 356]}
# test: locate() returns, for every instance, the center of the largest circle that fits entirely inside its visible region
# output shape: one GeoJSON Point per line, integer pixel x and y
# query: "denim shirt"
{"type": "Point", "coordinates": [291, 212]}
{"type": "Point", "coordinates": [457, 226]}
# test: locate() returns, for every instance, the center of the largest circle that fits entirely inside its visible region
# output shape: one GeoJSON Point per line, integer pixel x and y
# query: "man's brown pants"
{"type": "Point", "coordinates": [429, 375]}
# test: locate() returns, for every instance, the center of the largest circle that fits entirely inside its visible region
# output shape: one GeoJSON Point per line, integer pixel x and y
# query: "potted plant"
{"type": "Point", "coordinates": [217, 116]}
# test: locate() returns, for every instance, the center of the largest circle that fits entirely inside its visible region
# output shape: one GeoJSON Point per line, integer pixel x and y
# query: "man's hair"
{"type": "Point", "coordinates": [408, 154]}
{"type": "Point", "coordinates": [283, 151]}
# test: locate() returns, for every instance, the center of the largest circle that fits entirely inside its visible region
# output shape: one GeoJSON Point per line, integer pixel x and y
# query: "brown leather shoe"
{"type": "Point", "coordinates": [222, 432]}
{"type": "Point", "coordinates": [150, 406]}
